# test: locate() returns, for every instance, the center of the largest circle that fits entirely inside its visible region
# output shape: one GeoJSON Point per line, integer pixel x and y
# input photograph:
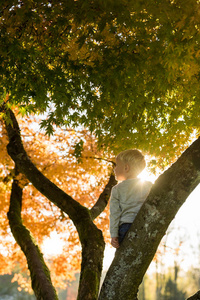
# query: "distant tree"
{"type": "Point", "coordinates": [172, 292]}
{"type": "Point", "coordinates": [8, 288]}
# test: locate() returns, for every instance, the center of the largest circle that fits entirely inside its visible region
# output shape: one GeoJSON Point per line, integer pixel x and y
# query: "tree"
{"type": "Point", "coordinates": [90, 237]}
{"type": "Point", "coordinates": [127, 72]}
{"type": "Point", "coordinates": [171, 287]}
{"type": "Point", "coordinates": [39, 215]}
{"type": "Point", "coordinates": [172, 292]}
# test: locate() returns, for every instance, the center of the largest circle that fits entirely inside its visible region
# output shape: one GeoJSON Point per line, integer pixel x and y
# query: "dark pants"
{"type": "Point", "coordinates": [123, 230]}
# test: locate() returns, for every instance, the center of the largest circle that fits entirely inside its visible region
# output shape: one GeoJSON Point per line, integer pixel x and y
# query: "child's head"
{"type": "Point", "coordinates": [129, 164]}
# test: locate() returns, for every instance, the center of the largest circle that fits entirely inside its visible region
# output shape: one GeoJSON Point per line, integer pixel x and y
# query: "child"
{"type": "Point", "coordinates": [128, 196]}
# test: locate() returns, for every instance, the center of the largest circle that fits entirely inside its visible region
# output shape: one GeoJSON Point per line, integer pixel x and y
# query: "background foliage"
{"type": "Point", "coordinates": [83, 180]}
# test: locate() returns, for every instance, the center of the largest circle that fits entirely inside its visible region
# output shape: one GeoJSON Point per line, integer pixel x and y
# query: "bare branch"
{"type": "Point", "coordinates": [100, 158]}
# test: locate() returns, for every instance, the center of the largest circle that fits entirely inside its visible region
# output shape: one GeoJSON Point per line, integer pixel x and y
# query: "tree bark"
{"type": "Point", "coordinates": [90, 236]}
{"type": "Point", "coordinates": [40, 275]}
{"type": "Point", "coordinates": [195, 297]}
{"type": "Point", "coordinates": [140, 244]}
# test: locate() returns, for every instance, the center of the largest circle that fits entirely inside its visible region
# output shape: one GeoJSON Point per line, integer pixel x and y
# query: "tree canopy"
{"type": "Point", "coordinates": [127, 70]}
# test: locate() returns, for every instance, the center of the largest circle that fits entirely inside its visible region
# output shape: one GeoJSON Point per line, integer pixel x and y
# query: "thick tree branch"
{"type": "Point", "coordinates": [44, 185]}
{"type": "Point", "coordinates": [40, 275]}
{"type": "Point", "coordinates": [140, 244]}
{"type": "Point", "coordinates": [102, 202]}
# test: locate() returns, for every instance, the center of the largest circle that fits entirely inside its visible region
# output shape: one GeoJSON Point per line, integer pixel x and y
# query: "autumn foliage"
{"type": "Point", "coordinates": [80, 172]}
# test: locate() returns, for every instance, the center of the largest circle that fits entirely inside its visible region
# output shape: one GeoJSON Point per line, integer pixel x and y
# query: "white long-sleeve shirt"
{"type": "Point", "coordinates": [126, 200]}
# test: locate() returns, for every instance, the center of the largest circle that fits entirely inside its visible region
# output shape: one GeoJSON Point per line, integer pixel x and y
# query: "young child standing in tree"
{"type": "Point", "coordinates": [127, 196]}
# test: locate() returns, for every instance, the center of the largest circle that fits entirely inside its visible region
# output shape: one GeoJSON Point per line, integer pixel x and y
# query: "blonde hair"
{"type": "Point", "coordinates": [134, 158]}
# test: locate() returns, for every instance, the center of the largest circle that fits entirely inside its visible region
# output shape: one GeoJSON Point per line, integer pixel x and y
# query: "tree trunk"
{"type": "Point", "coordinates": [91, 266]}
{"type": "Point", "coordinates": [140, 244]}
{"type": "Point", "coordinates": [40, 275]}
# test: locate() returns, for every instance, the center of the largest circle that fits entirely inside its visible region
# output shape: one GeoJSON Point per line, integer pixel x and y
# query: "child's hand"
{"type": "Point", "coordinates": [115, 242]}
